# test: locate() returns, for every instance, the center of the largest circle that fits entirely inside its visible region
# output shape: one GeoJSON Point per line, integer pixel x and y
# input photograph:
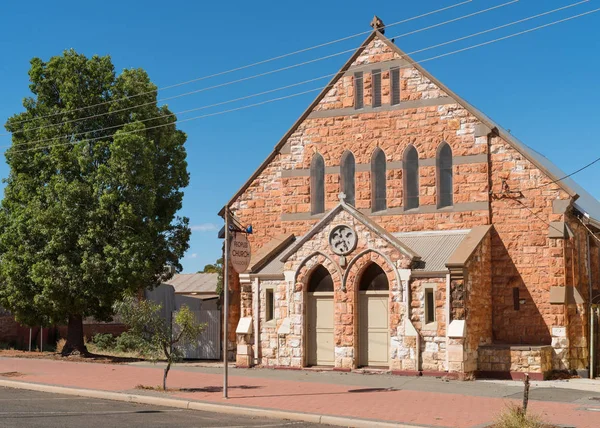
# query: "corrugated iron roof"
{"type": "Point", "coordinates": [264, 255]}
{"type": "Point", "coordinates": [275, 266]}
{"type": "Point", "coordinates": [194, 282]}
{"type": "Point", "coordinates": [434, 247]}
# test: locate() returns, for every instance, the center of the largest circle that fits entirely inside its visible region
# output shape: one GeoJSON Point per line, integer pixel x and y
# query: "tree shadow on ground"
{"type": "Point", "coordinates": [212, 389]}
{"type": "Point", "coordinates": [218, 388]}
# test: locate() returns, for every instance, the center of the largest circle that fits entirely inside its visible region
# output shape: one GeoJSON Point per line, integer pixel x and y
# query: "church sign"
{"type": "Point", "coordinates": [240, 252]}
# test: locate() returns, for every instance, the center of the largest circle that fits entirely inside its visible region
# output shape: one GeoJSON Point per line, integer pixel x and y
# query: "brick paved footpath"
{"type": "Point", "coordinates": [402, 406]}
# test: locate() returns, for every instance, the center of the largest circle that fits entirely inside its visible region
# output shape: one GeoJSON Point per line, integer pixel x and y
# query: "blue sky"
{"type": "Point", "coordinates": [543, 86]}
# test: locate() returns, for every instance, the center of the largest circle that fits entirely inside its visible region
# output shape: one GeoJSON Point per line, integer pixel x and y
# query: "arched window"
{"type": "Point", "coordinates": [378, 181]}
{"type": "Point", "coordinates": [411, 178]}
{"type": "Point", "coordinates": [374, 279]}
{"type": "Point", "coordinates": [347, 170]}
{"type": "Point", "coordinates": [444, 176]}
{"type": "Point", "coordinates": [320, 280]}
{"type": "Point", "coordinates": [317, 184]}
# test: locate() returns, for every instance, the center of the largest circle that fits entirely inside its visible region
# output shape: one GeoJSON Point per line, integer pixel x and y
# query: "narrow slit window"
{"type": "Point", "coordinates": [376, 76]}
{"type": "Point", "coordinates": [358, 90]}
{"type": "Point", "coordinates": [411, 178]}
{"type": "Point", "coordinates": [429, 306]}
{"type": "Point", "coordinates": [269, 305]}
{"type": "Point", "coordinates": [395, 86]}
{"type": "Point", "coordinates": [378, 181]}
{"type": "Point", "coordinates": [516, 300]}
{"type": "Point", "coordinates": [317, 184]}
{"type": "Point", "coordinates": [444, 173]}
{"type": "Point", "coordinates": [348, 169]}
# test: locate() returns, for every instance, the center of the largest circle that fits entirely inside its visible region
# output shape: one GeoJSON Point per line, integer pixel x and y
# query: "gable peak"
{"type": "Point", "coordinates": [378, 24]}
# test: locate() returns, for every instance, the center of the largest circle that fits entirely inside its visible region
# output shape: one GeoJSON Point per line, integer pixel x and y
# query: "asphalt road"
{"type": "Point", "coordinates": [21, 408]}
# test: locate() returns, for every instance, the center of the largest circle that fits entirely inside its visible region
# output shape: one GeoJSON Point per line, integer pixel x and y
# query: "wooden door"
{"type": "Point", "coordinates": [320, 340]}
{"type": "Point", "coordinates": [374, 335]}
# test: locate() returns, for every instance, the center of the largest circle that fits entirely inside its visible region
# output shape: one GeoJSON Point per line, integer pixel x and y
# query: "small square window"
{"type": "Point", "coordinates": [269, 304]}
{"type": "Point", "coordinates": [429, 305]}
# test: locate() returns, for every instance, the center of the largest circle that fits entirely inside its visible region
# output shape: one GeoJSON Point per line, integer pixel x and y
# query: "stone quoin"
{"type": "Point", "coordinates": [455, 249]}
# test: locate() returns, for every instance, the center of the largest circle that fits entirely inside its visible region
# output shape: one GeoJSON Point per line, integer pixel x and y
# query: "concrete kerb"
{"type": "Point", "coordinates": [204, 406]}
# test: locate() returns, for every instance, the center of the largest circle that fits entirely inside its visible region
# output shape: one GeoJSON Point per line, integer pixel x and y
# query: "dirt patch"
{"type": "Point", "coordinates": [90, 358]}
{"type": "Point", "coordinates": [154, 388]}
{"type": "Point", "coordinates": [12, 374]}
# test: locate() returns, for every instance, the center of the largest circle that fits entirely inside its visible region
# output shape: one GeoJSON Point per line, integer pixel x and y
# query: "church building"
{"type": "Point", "coordinates": [397, 227]}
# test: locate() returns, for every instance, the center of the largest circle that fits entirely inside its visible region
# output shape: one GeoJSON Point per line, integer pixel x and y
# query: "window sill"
{"type": "Point", "coordinates": [432, 326]}
{"type": "Point", "coordinates": [270, 324]}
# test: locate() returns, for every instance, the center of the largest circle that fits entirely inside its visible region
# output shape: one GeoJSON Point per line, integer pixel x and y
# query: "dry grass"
{"type": "Point", "coordinates": [11, 374]}
{"type": "Point", "coordinates": [60, 344]}
{"type": "Point", "coordinates": [513, 417]}
{"type": "Point", "coordinates": [102, 358]}
{"type": "Point", "coordinates": [157, 388]}
{"type": "Point", "coordinates": [93, 349]}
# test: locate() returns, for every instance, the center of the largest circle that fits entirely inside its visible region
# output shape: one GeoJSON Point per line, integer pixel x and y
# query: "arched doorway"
{"type": "Point", "coordinates": [319, 325]}
{"type": "Point", "coordinates": [373, 317]}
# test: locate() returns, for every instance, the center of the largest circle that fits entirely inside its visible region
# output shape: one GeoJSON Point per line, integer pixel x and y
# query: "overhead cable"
{"type": "Point", "coordinates": [312, 90]}
{"type": "Point", "coordinates": [265, 61]}
{"type": "Point", "coordinates": [243, 79]}
{"type": "Point", "coordinates": [299, 83]}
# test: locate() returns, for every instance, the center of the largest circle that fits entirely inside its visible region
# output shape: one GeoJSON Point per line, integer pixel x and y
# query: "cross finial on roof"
{"type": "Point", "coordinates": [342, 197]}
{"type": "Point", "coordinates": [378, 24]}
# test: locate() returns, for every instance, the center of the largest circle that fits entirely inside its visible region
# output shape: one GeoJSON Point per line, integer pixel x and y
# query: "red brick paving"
{"type": "Point", "coordinates": [405, 406]}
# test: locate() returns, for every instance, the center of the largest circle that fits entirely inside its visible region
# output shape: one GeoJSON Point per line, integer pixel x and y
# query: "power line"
{"type": "Point", "coordinates": [565, 177]}
{"type": "Point", "coordinates": [243, 79]}
{"type": "Point", "coordinates": [174, 122]}
{"type": "Point", "coordinates": [516, 34]}
{"type": "Point", "coordinates": [176, 113]}
{"type": "Point", "coordinates": [296, 84]}
{"type": "Point", "coordinates": [312, 90]}
{"type": "Point", "coordinates": [275, 58]}
{"type": "Point", "coordinates": [538, 217]}
{"type": "Point", "coordinates": [520, 21]}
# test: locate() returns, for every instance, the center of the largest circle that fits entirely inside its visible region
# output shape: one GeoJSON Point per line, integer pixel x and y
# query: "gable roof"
{"type": "Point", "coordinates": [584, 200]}
{"type": "Point", "coordinates": [265, 254]}
{"type": "Point", "coordinates": [468, 246]}
{"type": "Point", "coordinates": [361, 218]}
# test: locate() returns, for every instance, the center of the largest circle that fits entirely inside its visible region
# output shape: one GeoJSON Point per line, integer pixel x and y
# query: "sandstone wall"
{"type": "Point", "coordinates": [433, 342]}
{"type": "Point", "coordinates": [478, 292]}
{"type": "Point", "coordinates": [523, 256]}
{"type": "Point", "coordinates": [515, 359]}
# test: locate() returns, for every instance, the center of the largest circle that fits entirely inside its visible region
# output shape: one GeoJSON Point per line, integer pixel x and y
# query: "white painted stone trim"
{"type": "Point", "coordinates": [457, 329]}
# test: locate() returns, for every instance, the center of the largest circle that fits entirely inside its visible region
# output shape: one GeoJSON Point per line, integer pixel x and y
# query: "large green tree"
{"type": "Point", "coordinates": [90, 206]}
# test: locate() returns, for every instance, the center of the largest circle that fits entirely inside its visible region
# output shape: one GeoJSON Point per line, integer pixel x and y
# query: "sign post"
{"type": "Point", "coordinates": [237, 252]}
{"type": "Point", "coordinates": [225, 301]}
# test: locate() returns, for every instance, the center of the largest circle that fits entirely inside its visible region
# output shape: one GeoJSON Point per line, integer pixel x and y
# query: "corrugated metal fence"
{"type": "Point", "coordinates": [208, 344]}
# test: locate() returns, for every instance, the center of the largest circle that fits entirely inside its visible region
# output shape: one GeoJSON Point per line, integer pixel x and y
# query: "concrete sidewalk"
{"type": "Point", "coordinates": [366, 399]}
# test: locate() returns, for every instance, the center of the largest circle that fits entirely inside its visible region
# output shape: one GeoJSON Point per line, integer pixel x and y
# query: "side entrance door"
{"type": "Point", "coordinates": [374, 335]}
{"type": "Point", "coordinates": [320, 340]}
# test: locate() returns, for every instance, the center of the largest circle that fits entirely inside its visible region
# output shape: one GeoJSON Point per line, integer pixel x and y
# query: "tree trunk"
{"type": "Point", "coordinates": [75, 344]}
{"type": "Point", "coordinates": [165, 375]}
